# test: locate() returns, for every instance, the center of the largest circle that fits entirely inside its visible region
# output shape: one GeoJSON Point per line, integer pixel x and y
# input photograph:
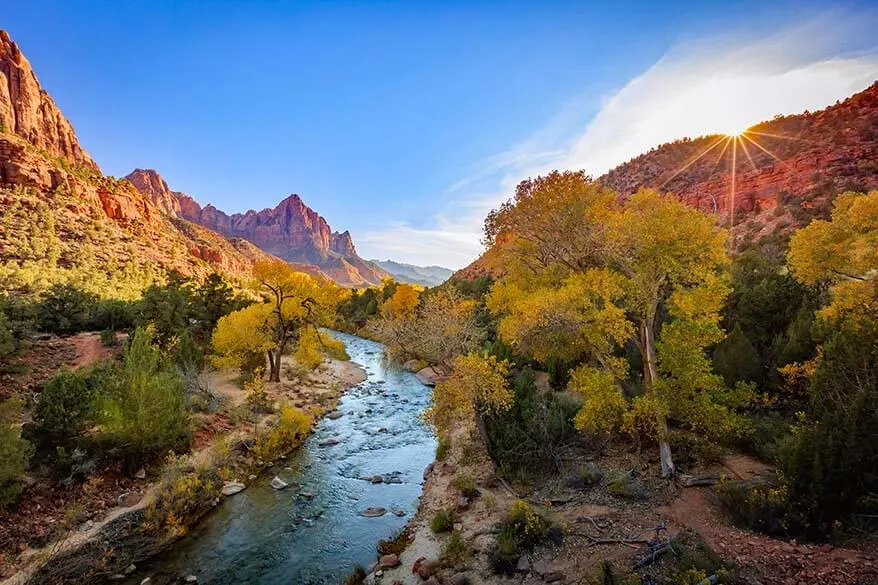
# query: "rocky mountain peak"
{"type": "Point", "coordinates": [151, 184]}
{"type": "Point", "coordinates": [342, 243]}
{"type": "Point", "coordinates": [27, 111]}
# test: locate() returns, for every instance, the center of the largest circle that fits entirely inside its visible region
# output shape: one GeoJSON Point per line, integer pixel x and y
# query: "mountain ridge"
{"type": "Point", "coordinates": [291, 230]}
{"type": "Point", "coordinates": [427, 276]}
{"type": "Point", "coordinates": [788, 171]}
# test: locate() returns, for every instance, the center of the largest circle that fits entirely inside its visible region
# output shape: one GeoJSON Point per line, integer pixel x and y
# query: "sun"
{"type": "Point", "coordinates": [733, 130]}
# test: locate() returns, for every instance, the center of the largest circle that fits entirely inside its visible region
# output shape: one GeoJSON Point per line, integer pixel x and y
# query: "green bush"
{"type": "Point", "coordinates": [760, 507]}
{"type": "Point", "coordinates": [830, 459]}
{"type": "Point", "coordinates": [65, 309]}
{"type": "Point", "coordinates": [148, 416]}
{"type": "Point", "coordinates": [65, 408]}
{"type": "Point", "coordinates": [524, 438]}
{"type": "Point", "coordinates": [15, 453]}
{"type": "Point", "coordinates": [443, 521]}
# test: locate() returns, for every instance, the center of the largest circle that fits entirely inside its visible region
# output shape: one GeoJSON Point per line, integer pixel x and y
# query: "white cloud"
{"type": "Point", "coordinates": [709, 86]}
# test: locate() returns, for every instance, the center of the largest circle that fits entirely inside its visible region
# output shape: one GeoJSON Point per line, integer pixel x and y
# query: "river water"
{"type": "Point", "coordinates": [266, 536]}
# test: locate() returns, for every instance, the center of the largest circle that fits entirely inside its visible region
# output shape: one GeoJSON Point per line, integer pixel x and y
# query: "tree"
{"type": "Point", "coordinates": [477, 386]}
{"type": "Point", "coordinates": [146, 415]}
{"type": "Point", "coordinates": [561, 227]}
{"type": "Point", "coordinates": [65, 309]}
{"type": "Point", "coordinates": [295, 301]}
{"type": "Point", "coordinates": [210, 301]}
{"type": "Point", "coordinates": [842, 252]}
{"type": "Point", "coordinates": [166, 309]}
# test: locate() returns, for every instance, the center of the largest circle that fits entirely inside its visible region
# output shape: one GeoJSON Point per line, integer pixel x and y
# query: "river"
{"type": "Point", "coordinates": [312, 532]}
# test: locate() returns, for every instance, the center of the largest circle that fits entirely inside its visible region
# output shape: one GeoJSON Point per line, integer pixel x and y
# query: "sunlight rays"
{"type": "Point", "coordinates": [729, 153]}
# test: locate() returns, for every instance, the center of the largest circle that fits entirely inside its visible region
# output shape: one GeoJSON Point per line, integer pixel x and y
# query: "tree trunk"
{"type": "Point", "coordinates": [650, 375]}
{"type": "Point", "coordinates": [274, 366]}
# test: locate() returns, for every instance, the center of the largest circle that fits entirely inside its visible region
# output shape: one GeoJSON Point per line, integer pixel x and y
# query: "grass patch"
{"type": "Point", "coordinates": [466, 485]}
{"type": "Point", "coordinates": [456, 552]}
{"type": "Point", "coordinates": [443, 521]}
{"type": "Point", "coordinates": [443, 449]}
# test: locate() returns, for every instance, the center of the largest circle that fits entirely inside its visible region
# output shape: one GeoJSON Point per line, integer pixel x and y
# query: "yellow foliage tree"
{"type": "Point", "coordinates": [843, 252]}
{"type": "Point", "coordinates": [477, 386]}
{"type": "Point", "coordinates": [295, 302]}
{"type": "Point", "coordinates": [403, 303]}
{"type": "Point", "coordinates": [588, 271]}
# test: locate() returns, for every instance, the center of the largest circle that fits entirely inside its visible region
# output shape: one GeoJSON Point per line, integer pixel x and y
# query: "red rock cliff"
{"type": "Point", "coordinates": [26, 110]}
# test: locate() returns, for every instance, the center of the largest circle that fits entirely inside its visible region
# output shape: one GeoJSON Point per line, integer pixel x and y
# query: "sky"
{"type": "Point", "coordinates": [406, 122]}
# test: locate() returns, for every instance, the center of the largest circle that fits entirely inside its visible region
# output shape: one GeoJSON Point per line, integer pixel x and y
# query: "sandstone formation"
{"type": "Point", "coordinates": [27, 111]}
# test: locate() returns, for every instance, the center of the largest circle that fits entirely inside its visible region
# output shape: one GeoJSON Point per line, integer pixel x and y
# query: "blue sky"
{"type": "Point", "coordinates": [406, 122]}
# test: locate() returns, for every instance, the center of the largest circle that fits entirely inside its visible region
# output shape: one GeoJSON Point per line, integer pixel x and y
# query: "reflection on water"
{"type": "Point", "coordinates": [312, 532]}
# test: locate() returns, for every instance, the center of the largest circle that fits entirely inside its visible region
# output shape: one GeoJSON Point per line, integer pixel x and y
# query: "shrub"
{"type": "Point", "coordinates": [357, 576]}
{"type": "Point", "coordinates": [397, 544]}
{"type": "Point", "coordinates": [291, 428]}
{"type": "Point", "coordinates": [526, 436]}
{"type": "Point", "coordinates": [65, 408]}
{"type": "Point", "coordinates": [586, 477]}
{"type": "Point", "coordinates": [762, 508]}
{"type": "Point", "coordinates": [147, 415]}
{"type": "Point", "coordinates": [443, 448]}
{"type": "Point", "coordinates": [830, 459]}
{"type": "Point", "coordinates": [520, 531]}
{"type": "Point", "coordinates": [15, 453]}
{"type": "Point", "coordinates": [108, 337]}
{"type": "Point", "coordinates": [183, 497]}
{"type": "Point", "coordinates": [443, 521]}
{"type": "Point", "coordinates": [466, 485]}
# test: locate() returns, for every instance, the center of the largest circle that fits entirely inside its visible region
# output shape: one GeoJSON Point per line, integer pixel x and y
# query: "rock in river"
{"type": "Point", "coordinates": [230, 488]}
{"type": "Point", "coordinates": [278, 484]}
{"type": "Point", "coordinates": [373, 512]}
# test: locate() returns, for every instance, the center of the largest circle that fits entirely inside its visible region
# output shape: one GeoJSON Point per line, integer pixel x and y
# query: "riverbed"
{"type": "Point", "coordinates": [313, 532]}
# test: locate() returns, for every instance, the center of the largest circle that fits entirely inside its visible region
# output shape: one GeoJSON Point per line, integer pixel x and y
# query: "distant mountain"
{"type": "Point", "coordinates": [291, 230]}
{"type": "Point", "coordinates": [422, 275]}
{"type": "Point", "coordinates": [787, 171]}
{"type": "Point", "coordinates": [62, 220]}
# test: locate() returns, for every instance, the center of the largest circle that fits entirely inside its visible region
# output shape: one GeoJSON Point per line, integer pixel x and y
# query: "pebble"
{"type": "Point", "coordinates": [278, 484]}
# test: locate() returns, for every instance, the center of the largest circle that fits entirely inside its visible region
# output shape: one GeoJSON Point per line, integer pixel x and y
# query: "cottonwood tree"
{"type": "Point", "coordinates": [842, 252]}
{"type": "Point", "coordinates": [476, 386]}
{"type": "Point", "coordinates": [294, 302]}
{"type": "Point", "coordinates": [588, 271]}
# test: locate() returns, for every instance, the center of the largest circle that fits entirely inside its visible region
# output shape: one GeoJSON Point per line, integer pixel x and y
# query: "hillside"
{"type": "Point", "coordinates": [412, 274]}
{"type": "Point", "coordinates": [787, 171]}
{"type": "Point", "coordinates": [64, 220]}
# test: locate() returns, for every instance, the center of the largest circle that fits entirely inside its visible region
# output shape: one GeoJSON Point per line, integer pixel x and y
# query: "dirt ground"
{"type": "Point", "coordinates": [592, 517]}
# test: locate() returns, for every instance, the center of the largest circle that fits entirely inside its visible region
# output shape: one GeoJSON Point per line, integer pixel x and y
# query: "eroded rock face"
{"type": "Point", "coordinates": [150, 183]}
{"type": "Point", "coordinates": [27, 111]}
